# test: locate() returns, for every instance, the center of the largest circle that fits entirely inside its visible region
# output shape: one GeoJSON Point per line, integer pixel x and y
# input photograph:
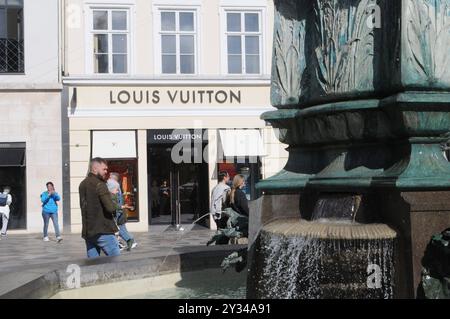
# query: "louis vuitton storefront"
{"type": "Point", "coordinates": [168, 143]}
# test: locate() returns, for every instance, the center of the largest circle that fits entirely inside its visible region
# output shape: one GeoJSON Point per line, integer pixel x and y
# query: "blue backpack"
{"type": "Point", "coordinates": [3, 199]}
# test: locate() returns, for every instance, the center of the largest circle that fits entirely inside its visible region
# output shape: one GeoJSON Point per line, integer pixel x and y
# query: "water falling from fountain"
{"type": "Point", "coordinates": [330, 256]}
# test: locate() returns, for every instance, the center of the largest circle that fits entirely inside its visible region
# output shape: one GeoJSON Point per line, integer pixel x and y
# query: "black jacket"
{"type": "Point", "coordinates": [97, 207]}
{"type": "Point", "coordinates": [240, 204]}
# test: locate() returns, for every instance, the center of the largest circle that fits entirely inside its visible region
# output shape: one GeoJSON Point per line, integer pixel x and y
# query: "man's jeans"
{"type": "Point", "coordinates": [106, 243]}
{"type": "Point", "coordinates": [123, 231]}
{"type": "Point", "coordinates": [54, 218]}
{"type": "Point", "coordinates": [4, 223]}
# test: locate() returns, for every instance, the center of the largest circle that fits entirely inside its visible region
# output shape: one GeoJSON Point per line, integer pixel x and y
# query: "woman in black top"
{"type": "Point", "coordinates": [238, 200]}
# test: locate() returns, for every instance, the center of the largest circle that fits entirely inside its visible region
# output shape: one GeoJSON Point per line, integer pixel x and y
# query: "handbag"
{"type": "Point", "coordinates": [122, 219]}
{"type": "Point", "coordinates": [3, 199]}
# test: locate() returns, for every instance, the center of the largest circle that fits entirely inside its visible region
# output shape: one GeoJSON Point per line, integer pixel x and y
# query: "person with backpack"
{"type": "Point", "coordinates": [120, 215]}
{"type": "Point", "coordinates": [219, 201]}
{"type": "Point", "coordinates": [5, 202]}
{"type": "Point", "coordinates": [50, 199]}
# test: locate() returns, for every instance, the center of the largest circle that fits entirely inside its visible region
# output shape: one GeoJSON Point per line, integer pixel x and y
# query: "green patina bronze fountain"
{"type": "Point", "coordinates": [362, 91]}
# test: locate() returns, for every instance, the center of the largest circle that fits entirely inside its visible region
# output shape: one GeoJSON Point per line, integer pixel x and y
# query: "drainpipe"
{"type": "Point", "coordinates": [65, 48]}
{"type": "Point", "coordinates": [58, 6]}
{"type": "Point", "coordinates": [65, 138]}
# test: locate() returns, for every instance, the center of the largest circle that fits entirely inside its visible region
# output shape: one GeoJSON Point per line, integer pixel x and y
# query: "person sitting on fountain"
{"type": "Point", "coordinates": [238, 200]}
{"type": "Point", "coordinates": [219, 196]}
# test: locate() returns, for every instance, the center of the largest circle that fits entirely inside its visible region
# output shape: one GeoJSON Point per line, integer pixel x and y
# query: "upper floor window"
{"type": "Point", "coordinates": [11, 36]}
{"type": "Point", "coordinates": [243, 42]}
{"type": "Point", "coordinates": [178, 35]}
{"type": "Point", "coordinates": [111, 41]}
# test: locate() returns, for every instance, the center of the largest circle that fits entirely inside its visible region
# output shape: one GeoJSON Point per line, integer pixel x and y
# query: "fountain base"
{"type": "Point", "coordinates": [295, 258]}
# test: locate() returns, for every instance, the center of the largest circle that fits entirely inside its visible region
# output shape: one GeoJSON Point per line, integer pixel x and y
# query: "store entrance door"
{"type": "Point", "coordinates": [188, 199]}
{"type": "Point", "coordinates": [13, 175]}
{"type": "Point", "coordinates": [178, 192]}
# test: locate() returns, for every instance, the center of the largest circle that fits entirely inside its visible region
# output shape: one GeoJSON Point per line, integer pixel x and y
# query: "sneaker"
{"type": "Point", "coordinates": [134, 245]}
{"type": "Point", "coordinates": [3, 235]}
{"type": "Point", "coordinates": [46, 239]}
{"type": "Point", "coordinates": [59, 239]}
{"type": "Point", "coordinates": [121, 246]}
{"type": "Point", "coordinates": [130, 244]}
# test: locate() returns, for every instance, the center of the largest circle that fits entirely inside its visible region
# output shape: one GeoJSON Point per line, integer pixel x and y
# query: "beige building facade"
{"type": "Point", "coordinates": [170, 93]}
{"type": "Point", "coordinates": [30, 107]}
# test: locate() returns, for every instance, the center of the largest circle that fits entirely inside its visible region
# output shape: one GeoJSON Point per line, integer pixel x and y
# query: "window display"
{"type": "Point", "coordinates": [127, 169]}
{"type": "Point", "coordinates": [250, 171]}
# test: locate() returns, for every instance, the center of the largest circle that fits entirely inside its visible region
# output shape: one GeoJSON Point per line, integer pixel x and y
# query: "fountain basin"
{"type": "Point", "coordinates": [194, 270]}
{"type": "Point", "coordinates": [203, 284]}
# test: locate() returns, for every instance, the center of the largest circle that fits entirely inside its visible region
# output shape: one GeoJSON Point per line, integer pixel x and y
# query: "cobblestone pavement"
{"type": "Point", "coordinates": [26, 257]}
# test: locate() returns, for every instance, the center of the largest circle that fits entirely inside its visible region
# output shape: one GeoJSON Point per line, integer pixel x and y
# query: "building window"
{"type": "Point", "coordinates": [119, 148]}
{"type": "Point", "coordinates": [11, 36]}
{"type": "Point", "coordinates": [111, 41]}
{"type": "Point", "coordinates": [178, 35]}
{"type": "Point", "coordinates": [243, 42]}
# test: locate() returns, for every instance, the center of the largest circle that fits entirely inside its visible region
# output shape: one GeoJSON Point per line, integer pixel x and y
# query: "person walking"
{"type": "Point", "coordinates": [219, 197]}
{"type": "Point", "coordinates": [238, 200]}
{"type": "Point", "coordinates": [97, 212]}
{"type": "Point", "coordinates": [50, 199]}
{"type": "Point", "coordinates": [155, 199]}
{"type": "Point", "coordinates": [5, 202]}
{"type": "Point", "coordinates": [193, 198]}
{"type": "Point", "coordinates": [120, 215]}
{"type": "Point", "coordinates": [164, 195]}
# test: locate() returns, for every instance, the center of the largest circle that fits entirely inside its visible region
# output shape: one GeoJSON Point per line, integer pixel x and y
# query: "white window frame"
{"type": "Point", "coordinates": [24, 57]}
{"type": "Point", "coordinates": [190, 6]}
{"type": "Point", "coordinates": [89, 38]}
{"type": "Point", "coordinates": [224, 38]}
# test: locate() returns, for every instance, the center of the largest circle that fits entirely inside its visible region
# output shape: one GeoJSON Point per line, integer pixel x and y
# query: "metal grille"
{"type": "Point", "coordinates": [11, 56]}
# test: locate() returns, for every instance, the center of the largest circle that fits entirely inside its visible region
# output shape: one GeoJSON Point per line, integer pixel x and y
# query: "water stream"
{"type": "Point", "coordinates": [330, 256]}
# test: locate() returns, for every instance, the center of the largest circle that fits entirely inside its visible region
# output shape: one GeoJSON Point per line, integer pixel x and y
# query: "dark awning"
{"type": "Point", "coordinates": [12, 157]}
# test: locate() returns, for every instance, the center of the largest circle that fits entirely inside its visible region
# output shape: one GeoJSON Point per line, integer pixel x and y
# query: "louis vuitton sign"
{"type": "Point", "coordinates": [148, 97]}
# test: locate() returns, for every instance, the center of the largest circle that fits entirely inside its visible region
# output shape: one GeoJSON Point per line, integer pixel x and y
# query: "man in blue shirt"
{"type": "Point", "coordinates": [50, 199]}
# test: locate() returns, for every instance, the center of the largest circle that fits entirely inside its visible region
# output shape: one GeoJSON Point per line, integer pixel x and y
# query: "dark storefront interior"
{"type": "Point", "coordinates": [185, 196]}
{"type": "Point", "coordinates": [13, 174]}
